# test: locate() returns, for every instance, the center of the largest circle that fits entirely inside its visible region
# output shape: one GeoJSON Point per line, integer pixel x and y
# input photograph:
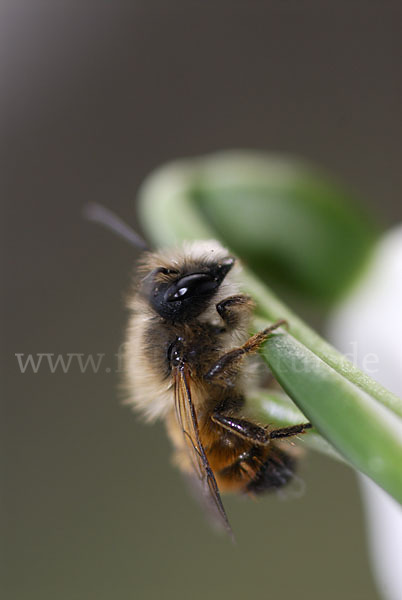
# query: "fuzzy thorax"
{"type": "Point", "coordinates": [149, 387]}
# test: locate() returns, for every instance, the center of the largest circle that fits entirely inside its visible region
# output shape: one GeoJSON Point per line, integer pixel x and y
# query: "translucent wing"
{"type": "Point", "coordinates": [187, 419]}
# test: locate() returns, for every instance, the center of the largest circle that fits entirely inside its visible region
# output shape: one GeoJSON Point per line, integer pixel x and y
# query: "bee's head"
{"type": "Point", "coordinates": [184, 290]}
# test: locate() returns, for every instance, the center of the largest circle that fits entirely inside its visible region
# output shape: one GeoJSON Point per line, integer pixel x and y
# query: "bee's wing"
{"type": "Point", "coordinates": [187, 419]}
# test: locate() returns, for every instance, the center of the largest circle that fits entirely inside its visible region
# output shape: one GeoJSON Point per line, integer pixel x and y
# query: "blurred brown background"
{"type": "Point", "coordinates": [95, 95]}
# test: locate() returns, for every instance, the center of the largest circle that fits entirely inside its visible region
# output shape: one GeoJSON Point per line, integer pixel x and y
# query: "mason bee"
{"type": "Point", "coordinates": [186, 362]}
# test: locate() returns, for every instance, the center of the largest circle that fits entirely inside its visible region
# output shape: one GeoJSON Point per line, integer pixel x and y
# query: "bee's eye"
{"type": "Point", "coordinates": [196, 284]}
{"type": "Point", "coordinates": [187, 296]}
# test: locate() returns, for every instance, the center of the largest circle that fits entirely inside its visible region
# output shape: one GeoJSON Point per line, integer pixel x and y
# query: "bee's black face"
{"type": "Point", "coordinates": [186, 295]}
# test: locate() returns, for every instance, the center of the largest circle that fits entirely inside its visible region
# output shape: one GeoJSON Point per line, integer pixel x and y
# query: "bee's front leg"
{"type": "Point", "coordinates": [235, 310]}
{"type": "Point", "coordinates": [224, 370]}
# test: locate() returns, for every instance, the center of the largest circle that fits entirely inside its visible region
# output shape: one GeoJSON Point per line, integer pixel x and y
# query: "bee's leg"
{"type": "Point", "coordinates": [254, 433]}
{"type": "Point", "coordinates": [227, 366]}
{"type": "Point", "coordinates": [289, 431]}
{"type": "Point", "coordinates": [235, 310]}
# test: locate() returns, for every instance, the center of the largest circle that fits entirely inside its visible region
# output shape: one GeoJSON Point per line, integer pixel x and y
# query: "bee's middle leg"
{"type": "Point", "coordinates": [227, 366]}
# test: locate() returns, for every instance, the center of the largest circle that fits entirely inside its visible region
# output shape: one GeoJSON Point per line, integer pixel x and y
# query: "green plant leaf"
{"type": "Point", "coordinates": [363, 430]}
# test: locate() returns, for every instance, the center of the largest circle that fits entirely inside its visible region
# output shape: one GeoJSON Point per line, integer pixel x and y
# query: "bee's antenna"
{"type": "Point", "coordinates": [100, 214]}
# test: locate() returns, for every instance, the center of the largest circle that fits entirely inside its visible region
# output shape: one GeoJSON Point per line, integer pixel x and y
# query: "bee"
{"type": "Point", "coordinates": [186, 355]}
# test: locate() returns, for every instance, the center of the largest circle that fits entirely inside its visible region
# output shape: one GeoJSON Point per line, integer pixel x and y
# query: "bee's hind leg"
{"type": "Point", "coordinates": [227, 366]}
{"type": "Point", "coordinates": [254, 433]}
